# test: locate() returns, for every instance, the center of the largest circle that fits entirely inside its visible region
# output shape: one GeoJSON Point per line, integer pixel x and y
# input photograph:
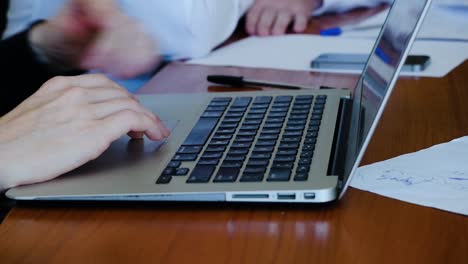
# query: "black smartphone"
{"type": "Point", "coordinates": [343, 61]}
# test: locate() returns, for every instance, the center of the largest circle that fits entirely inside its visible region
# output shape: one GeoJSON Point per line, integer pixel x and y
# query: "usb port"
{"type": "Point", "coordinates": [309, 196]}
{"type": "Point", "coordinates": [286, 196]}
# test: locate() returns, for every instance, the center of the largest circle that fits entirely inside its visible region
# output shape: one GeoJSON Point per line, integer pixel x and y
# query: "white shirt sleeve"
{"type": "Point", "coordinates": [340, 6]}
{"type": "Point", "coordinates": [187, 28]}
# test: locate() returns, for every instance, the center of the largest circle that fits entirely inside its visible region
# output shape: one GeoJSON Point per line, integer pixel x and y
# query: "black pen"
{"type": "Point", "coordinates": [239, 81]}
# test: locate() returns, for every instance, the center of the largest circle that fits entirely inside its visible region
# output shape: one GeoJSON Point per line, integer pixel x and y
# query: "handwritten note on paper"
{"type": "Point", "coordinates": [435, 177]}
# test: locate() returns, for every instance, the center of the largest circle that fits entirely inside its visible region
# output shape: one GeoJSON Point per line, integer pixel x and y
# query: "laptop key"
{"type": "Point", "coordinates": [215, 109]}
{"type": "Point", "coordinates": [268, 137]}
{"type": "Point", "coordinates": [316, 117]}
{"type": "Point", "coordinates": [304, 97]}
{"type": "Point", "coordinates": [284, 158]}
{"type": "Point", "coordinates": [208, 162]}
{"type": "Point", "coordinates": [212, 155]}
{"type": "Point", "coordinates": [310, 140]}
{"type": "Point", "coordinates": [227, 174]}
{"type": "Point", "coordinates": [292, 134]}
{"type": "Point", "coordinates": [182, 172]}
{"type": "Point", "coordinates": [237, 109]}
{"type": "Point", "coordinates": [232, 120]}
{"type": "Point", "coordinates": [284, 145]}
{"type": "Point", "coordinates": [303, 168]}
{"type": "Point", "coordinates": [232, 164]}
{"type": "Point", "coordinates": [255, 170]}
{"type": "Point", "coordinates": [284, 98]}
{"type": "Point", "coordinates": [216, 104]}
{"type": "Point", "coordinates": [275, 120]}
{"type": "Point", "coordinates": [282, 165]}
{"type": "Point", "coordinates": [281, 104]}
{"type": "Point", "coordinates": [201, 132]}
{"type": "Point", "coordinates": [258, 163]}
{"type": "Point", "coordinates": [169, 171]}
{"type": "Point", "coordinates": [228, 125]}
{"type": "Point", "coordinates": [185, 157]}
{"type": "Point", "coordinates": [286, 152]}
{"type": "Point", "coordinates": [221, 137]}
{"type": "Point", "coordinates": [254, 117]}
{"type": "Point", "coordinates": [271, 131]}
{"type": "Point", "coordinates": [273, 125]}
{"type": "Point", "coordinates": [174, 164]}
{"type": "Point", "coordinates": [278, 114]}
{"type": "Point", "coordinates": [266, 143]}
{"type": "Point", "coordinates": [263, 99]}
{"type": "Point", "coordinates": [164, 179]}
{"type": "Point", "coordinates": [279, 174]}
{"type": "Point", "coordinates": [201, 174]}
{"type": "Point", "coordinates": [291, 140]}
{"type": "Point", "coordinates": [221, 99]}
{"type": "Point", "coordinates": [251, 177]}
{"type": "Point", "coordinates": [237, 144]}
{"type": "Point", "coordinates": [245, 139]}
{"type": "Point", "coordinates": [212, 114]}
{"type": "Point", "coordinates": [252, 122]}
{"type": "Point", "coordinates": [260, 156]}
{"type": "Point", "coordinates": [244, 151]}
{"type": "Point", "coordinates": [211, 148]}
{"type": "Point", "coordinates": [242, 101]}
{"type": "Point", "coordinates": [259, 106]}
{"type": "Point", "coordinates": [313, 128]}
{"type": "Point", "coordinates": [310, 147]}
{"type": "Point", "coordinates": [301, 176]}
{"type": "Point", "coordinates": [279, 109]}
{"type": "Point", "coordinates": [307, 154]}
{"type": "Point", "coordinates": [219, 142]}
{"type": "Point", "coordinates": [238, 158]}
{"type": "Point", "coordinates": [259, 149]}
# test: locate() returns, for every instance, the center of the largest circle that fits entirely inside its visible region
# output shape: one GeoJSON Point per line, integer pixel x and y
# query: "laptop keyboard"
{"type": "Point", "coordinates": [250, 139]}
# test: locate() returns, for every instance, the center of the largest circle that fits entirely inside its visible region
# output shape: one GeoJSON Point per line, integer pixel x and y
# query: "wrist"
{"type": "Point", "coordinates": [48, 45]}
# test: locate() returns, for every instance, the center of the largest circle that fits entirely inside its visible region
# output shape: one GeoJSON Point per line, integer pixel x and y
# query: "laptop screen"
{"type": "Point", "coordinates": [381, 72]}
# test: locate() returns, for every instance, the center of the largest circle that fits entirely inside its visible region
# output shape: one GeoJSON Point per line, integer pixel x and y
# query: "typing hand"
{"type": "Point", "coordinates": [89, 34]}
{"type": "Point", "coordinates": [66, 123]}
{"type": "Point", "coordinates": [272, 17]}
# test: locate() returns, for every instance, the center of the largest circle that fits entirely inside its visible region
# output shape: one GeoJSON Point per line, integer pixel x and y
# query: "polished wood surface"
{"type": "Point", "coordinates": [361, 228]}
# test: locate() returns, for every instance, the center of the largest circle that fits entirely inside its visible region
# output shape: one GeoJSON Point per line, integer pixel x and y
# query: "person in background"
{"type": "Point", "coordinates": [272, 17]}
{"type": "Point", "coordinates": [84, 35]}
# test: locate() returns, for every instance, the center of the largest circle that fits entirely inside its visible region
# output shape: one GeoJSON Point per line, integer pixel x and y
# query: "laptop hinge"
{"type": "Point", "coordinates": [336, 166]}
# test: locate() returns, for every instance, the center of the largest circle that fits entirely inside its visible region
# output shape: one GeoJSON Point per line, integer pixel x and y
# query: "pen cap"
{"type": "Point", "coordinates": [226, 80]}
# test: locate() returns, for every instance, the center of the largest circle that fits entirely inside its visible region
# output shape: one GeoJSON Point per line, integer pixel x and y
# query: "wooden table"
{"type": "Point", "coordinates": [361, 228]}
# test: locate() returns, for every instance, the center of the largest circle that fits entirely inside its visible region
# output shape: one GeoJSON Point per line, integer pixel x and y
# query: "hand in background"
{"type": "Point", "coordinates": [66, 123]}
{"type": "Point", "coordinates": [272, 17]}
{"type": "Point", "coordinates": [90, 34]}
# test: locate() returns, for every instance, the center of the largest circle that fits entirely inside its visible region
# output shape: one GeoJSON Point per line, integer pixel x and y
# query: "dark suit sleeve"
{"type": "Point", "coordinates": [22, 74]}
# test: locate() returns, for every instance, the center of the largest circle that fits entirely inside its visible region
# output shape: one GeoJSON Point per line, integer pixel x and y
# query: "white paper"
{"type": "Point", "coordinates": [295, 52]}
{"type": "Point", "coordinates": [435, 177]}
{"type": "Point", "coordinates": [443, 22]}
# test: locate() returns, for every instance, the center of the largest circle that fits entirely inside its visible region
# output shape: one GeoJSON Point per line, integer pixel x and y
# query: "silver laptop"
{"type": "Point", "coordinates": [279, 146]}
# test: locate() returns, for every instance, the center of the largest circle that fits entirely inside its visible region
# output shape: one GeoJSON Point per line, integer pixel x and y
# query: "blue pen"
{"type": "Point", "coordinates": [337, 31]}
